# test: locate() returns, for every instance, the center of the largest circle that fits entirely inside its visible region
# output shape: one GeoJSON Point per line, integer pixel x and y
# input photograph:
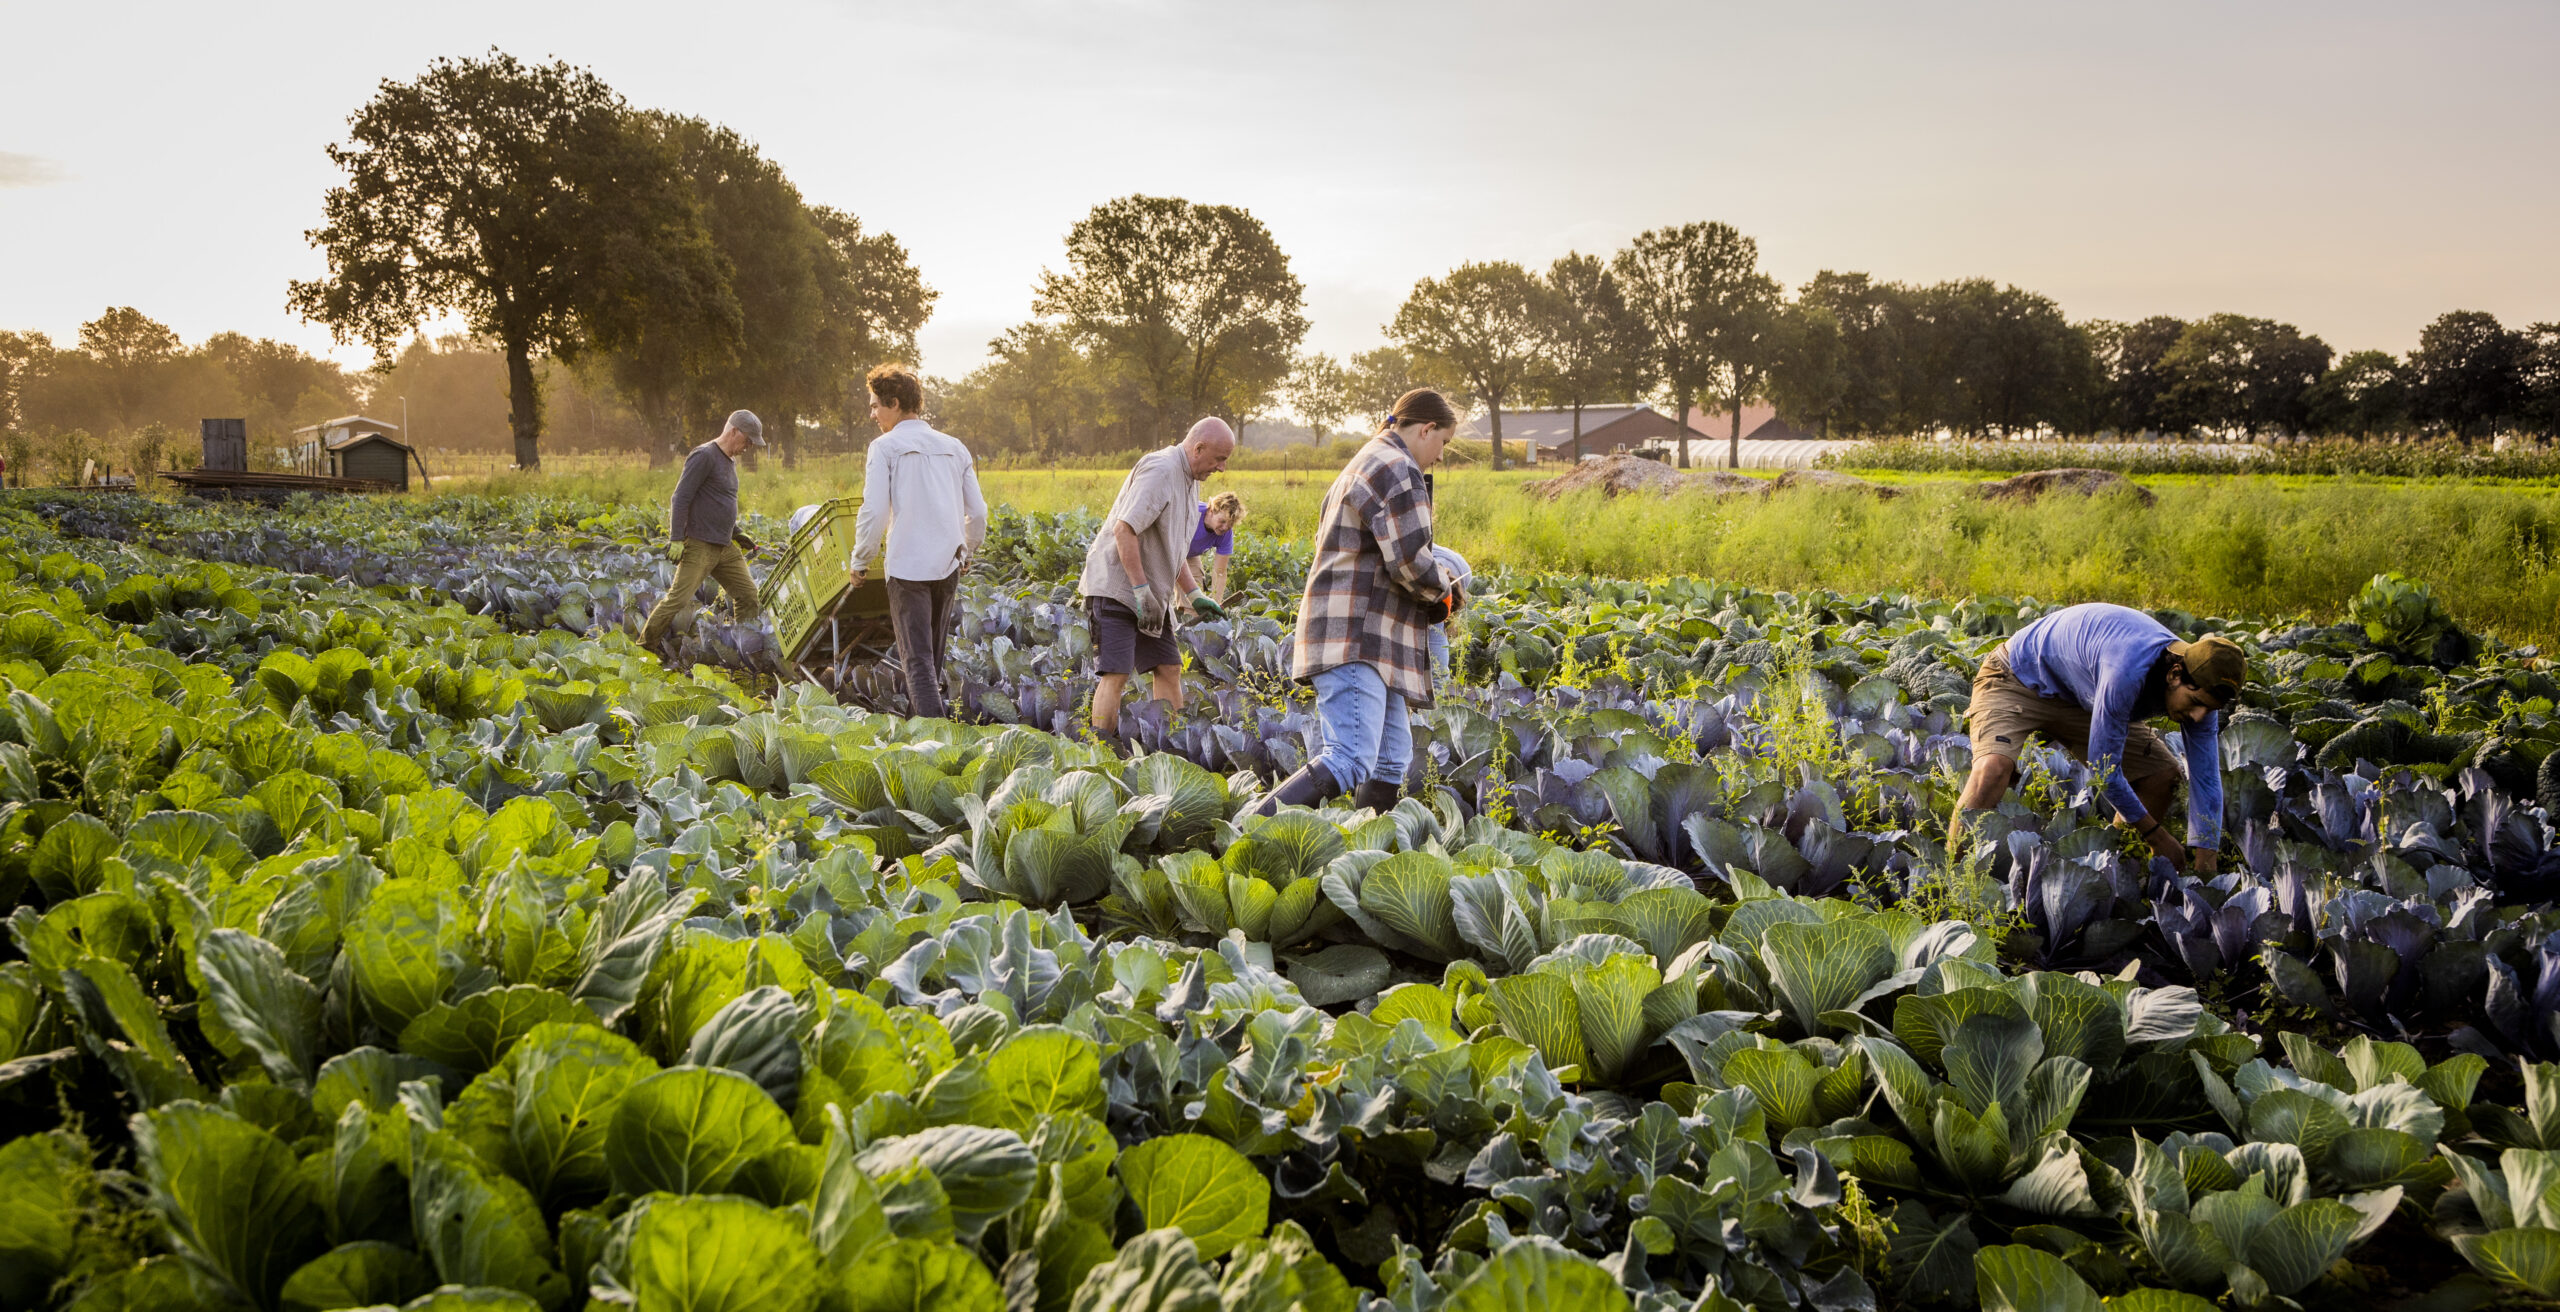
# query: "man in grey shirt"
{"type": "Point", "coordinates": [1137, 563]}
{"type": "Point", "coordinates": [702, 518]}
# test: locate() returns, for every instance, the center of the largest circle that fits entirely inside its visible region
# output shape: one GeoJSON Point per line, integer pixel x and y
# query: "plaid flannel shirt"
{"type": "Point", "coordinates": [1374, 585]}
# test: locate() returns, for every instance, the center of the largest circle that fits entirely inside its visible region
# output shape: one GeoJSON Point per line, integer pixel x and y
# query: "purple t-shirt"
{"type": "Point", "coordinates": [1202, 539]}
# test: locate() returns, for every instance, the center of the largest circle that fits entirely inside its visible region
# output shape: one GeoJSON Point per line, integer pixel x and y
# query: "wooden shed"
{"type": "Point", "coordinates": [356, 447]}
{"type": "Point", "coordinates": [372, 455]}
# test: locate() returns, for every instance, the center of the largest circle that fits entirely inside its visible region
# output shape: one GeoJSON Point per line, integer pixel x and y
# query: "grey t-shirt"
{"type": "Point", "coordinates": [1156, 502]}
{"type": "Point", "coordinates": [705, 506]}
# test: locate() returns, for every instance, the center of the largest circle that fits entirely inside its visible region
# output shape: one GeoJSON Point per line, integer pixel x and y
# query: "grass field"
{"type": "Point", "coordinates": [2233, 545]}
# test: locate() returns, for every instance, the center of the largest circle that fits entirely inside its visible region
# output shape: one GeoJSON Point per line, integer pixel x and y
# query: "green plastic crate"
{"type": "Point", "coordinates": [811, 585]}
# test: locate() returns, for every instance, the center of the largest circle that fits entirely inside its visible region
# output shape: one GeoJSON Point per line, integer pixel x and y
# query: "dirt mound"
{"type": "Point", "coordinates": [1830, 482]}
{"type": "Point", "coordinates": [1620, 476]}
{"type": "Point", "coordinates": [2028, 487]}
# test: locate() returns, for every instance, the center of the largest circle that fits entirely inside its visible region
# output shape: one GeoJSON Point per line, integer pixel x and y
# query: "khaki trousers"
{"type": "Point", "coordinates": [718, 560]}
{"type": "Point", "coordinates": [2005, 712]}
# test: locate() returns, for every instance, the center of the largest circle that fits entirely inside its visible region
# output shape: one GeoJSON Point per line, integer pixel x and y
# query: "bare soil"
{"type": "Point", "coordinates": [2029, 486]}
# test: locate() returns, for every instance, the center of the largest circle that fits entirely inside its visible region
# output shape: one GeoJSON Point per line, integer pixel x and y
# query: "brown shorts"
{"type": "Point", "coordinates": [2005, 713]}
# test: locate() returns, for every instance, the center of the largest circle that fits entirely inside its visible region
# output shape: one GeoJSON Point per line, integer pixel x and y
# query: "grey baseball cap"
{"type": "Point", "coordinates": [745, 421]}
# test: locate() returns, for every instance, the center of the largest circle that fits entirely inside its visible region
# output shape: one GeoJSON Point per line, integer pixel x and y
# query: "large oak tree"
{"type": "Point", "coordinates": [524, 198]}
{"type": "Point", "coordinates": [1591, 343]}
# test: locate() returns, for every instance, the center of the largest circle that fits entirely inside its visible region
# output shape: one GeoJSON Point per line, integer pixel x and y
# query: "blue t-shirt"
{"type": "Point", "coordinates": [2097, 656]}
{"type": "Point", "coordinates": [1202, 539]}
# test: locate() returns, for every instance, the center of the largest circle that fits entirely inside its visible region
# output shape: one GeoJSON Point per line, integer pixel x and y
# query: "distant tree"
{"type": "Point", "coordinates": [1745, 336]}
{"type": "Point", "coordinates": [1375, 380]}
{"type": "Point", "coordinates": [1195, 301]}
{"type": "Point", "coordinates": [876, 300]}
{"type": "Point", "coordinates": [2364, 393]}
{"type": "Point", "coordinates": [1041, 376]}
{"type": "Point", "coordinates": [1320, 392]}
{"type": "Point", "coordinates": [1682, 283]}
{"type": "Point", "coordinates": [1809, 376]}
{"type": "Point", "coordinates": [128, 346]}
{"type": "Point", "coordinates": [1590, 344]}
{"type": "Point", "coordinates": [2542, 379]}
{"type": "Point", "coordinates": [281, 385]}
{"type": "Point", "coordinates": [2133, 382]}
{"type": "Point", "coordinates": [1479, 323]}
{"type": "Point", "coordinates": [2468, 373]}
{"type": "Point", "coordinates": [1866, 398]}
{"type": "Point", "coordinates": [2232, 371]}
{"type": "Point", "coordinates": [2003, 359]}
{"type": "Point", "coordinates": [457, 390]}
{"type": "Point", "coordinates": [523, 198]}
{"type": "Point", "coordinates": [23, 357]}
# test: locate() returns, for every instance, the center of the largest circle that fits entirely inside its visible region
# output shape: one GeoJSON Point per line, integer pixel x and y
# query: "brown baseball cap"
{"type": "Point", "coordinates": [2214, 665]}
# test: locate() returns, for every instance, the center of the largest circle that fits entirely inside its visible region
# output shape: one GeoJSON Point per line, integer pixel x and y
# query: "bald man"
{"type": "Point", "coordinates": [1136, 573]}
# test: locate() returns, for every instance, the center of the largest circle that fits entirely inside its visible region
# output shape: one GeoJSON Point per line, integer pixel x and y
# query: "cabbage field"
{"type": "Point", "coordinates": [387, 929]}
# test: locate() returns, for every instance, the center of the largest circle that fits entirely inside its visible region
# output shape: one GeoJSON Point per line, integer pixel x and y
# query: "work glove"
{"type": "Point", "coordinates": [675, 551]}
{"type": "Point", "coordinates": [1153, 612]}
{"type": "Point", "coordinates": [744, 543]}
{"type": "Point", "coordinates": [1206, 609]}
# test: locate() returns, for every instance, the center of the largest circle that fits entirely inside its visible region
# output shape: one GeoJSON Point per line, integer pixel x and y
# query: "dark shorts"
{"type": "Point", "coordinates": [1118, 647]}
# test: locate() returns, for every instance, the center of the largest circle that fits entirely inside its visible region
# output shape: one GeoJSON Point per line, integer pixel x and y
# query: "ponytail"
{"type": "Point", "coordinates": [1423, 405]}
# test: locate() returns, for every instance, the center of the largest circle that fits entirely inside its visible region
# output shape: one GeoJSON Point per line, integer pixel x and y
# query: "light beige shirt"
{"type": "Point", "coordinates": [1157, 502]}
{"type": "Point", "coordinates": [920, 493]}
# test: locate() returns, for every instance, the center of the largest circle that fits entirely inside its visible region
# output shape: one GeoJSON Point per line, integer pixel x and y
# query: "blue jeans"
{"type": "Point", "coordinates": [1365, 732]}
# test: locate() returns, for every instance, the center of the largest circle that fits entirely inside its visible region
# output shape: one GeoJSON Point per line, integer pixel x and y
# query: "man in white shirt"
{"type": "Point", "coordinates": [923, 485]}
{"type": "Point", "coordinates": [1138, 568]}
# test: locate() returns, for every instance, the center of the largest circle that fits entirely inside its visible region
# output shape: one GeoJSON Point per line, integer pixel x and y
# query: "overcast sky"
{"type": "Point", "coordinates": [2353, 168]}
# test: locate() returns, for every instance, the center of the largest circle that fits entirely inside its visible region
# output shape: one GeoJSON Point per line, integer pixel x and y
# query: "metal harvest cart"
{"type": "Point", "coordinates": [825, 625]}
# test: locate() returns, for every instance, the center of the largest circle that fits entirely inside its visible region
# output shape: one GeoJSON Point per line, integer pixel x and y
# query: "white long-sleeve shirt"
{"type": "Point", "coordinates": [924, 485]}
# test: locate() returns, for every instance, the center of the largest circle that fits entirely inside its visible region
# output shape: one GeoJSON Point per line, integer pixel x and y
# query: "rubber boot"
{"type": "Point", "coordinates": [1378, 795]}
{"type": "Point", "coordinates": [1307, 787]}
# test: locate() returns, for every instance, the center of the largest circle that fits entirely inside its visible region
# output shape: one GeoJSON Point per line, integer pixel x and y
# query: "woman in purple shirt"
{"type": "Point", "coordinates": [1216, 531]}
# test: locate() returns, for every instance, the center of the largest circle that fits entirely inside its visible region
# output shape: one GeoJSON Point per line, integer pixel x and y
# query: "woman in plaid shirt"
{"type": "Point", "coordinates": [1373, 592]}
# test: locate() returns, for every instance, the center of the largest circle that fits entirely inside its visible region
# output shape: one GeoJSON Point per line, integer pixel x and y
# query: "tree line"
{"type": "Point", "coordinates": [1685, 316]}
{"type": "Point", "coordinates": [128, 392]}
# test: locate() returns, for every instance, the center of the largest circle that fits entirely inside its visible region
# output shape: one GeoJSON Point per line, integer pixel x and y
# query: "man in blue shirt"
{"type": "Point", "coordinates": [2083, 678]}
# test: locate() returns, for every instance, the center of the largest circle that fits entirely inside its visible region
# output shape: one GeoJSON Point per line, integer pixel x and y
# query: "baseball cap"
{"type": "Point", "coordinates": [745, 421]}
{"type": "Point", "coordinates": [2214, 665]}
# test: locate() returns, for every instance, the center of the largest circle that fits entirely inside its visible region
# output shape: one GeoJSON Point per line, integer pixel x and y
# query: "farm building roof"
{"type": "Point", "coordinates": [361, 422]}
{"type": "Point", "coordinates": [362, 436]}
{"type": "Point", "coordinates": [1552, 429]}
{"type": "Point", "coordinates": [1761, 422]}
